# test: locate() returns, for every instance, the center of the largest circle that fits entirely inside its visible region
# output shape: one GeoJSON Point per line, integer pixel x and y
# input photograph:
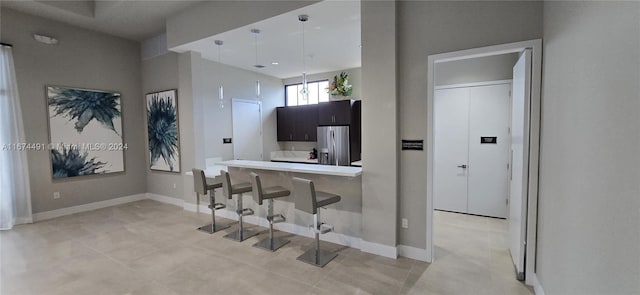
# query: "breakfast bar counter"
{"type": "Point", "coordinates": [295, 167]}
{"type": "Point", "coordinates": [346, 215]}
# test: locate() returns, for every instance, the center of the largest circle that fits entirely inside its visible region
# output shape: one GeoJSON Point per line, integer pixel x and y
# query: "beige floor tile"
{"type": "Point", "coordinates": [148, 247]}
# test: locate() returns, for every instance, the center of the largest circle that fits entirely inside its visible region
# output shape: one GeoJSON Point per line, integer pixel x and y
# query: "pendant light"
{"type": "Point", "coordinates": [220, 88]}
{"type": "Point", "coordinates": [305, 87]}
{"type": "Point", "coordinates": [255, 33]}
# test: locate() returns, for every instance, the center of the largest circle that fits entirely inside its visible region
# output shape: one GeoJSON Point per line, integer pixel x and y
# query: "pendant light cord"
{"type": "Point", "coordinates": [304, 60]}
{"type": "Point", "coordinates": [255, 35]}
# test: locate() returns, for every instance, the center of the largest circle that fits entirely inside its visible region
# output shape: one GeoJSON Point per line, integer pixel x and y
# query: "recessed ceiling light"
{"type": "Point", "coordinates": [275, 63]}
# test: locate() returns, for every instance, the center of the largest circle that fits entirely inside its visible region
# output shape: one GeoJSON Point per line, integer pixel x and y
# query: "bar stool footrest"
{"type": "Point", "coordinates": [276, 218]}
{"type": "Point", "coordinates": [323, 228]}
{"type": "Point", "coordinates": [245, 212]}
{"type": "Point", "coordinates": [218, 206]}
{"type": "Point", "coordinates": [320, 260]}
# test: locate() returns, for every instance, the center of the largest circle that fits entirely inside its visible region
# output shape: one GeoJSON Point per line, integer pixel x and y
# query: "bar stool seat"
{"type": "Point", "coordinates": [202, 185]}
{"type": "Point", "coordinates": [309, 200]}
{"type": "Point", "coordinates": [237, 189]}
{"type": "Point", "coordinates": [240, 188]}
{"type": "Point", "coordinates": [274, 192]}
{"type": "Point", "coordinates": [323, 199]}
{"type": "Point", "coordinates": [261, 194]}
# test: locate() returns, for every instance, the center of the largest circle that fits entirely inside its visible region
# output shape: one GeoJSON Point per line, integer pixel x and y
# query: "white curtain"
{"type": "Point", "coordinates": [15, 194]}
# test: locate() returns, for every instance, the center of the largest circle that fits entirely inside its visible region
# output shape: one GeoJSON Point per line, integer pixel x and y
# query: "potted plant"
{"type": "Point", "coordinates": [340, 88]}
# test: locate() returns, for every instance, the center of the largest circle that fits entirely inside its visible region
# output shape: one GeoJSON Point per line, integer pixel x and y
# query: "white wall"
{"type": "Point", "coordinates": [589, 206]}
{"type": "Point", "coordinates": [214, 17]}
{"type": "Point", "coordinates": [355, 79]}
{"type": "Point", "coordinates": [237, 83]}
{"type": "Point", "coordinates": [480, 69]}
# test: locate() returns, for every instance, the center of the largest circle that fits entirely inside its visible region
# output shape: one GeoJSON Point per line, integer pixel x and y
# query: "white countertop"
{"type": "Point", "coordinates": [295, 167]}
{"type": "Point", "coordinates": [211, 171]}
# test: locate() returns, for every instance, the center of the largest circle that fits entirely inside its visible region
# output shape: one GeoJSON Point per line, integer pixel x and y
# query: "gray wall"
{"type": "Point", "coordinates": [589, 218]}
{"type": "Point", "coordinates": [161, 73]}
{"type": "Point", "coordinates": [355, 79]}
{"type": "Point", "coordinates": [480, 69]}
{"type": "Point", "coordinates": [83, 59]}
{"type": "Point", "coordinates": [238, 83]}
{"type": "Point", "coordinates": [431, 27]}
{"type": "Point", "coordinates": [379, 123]}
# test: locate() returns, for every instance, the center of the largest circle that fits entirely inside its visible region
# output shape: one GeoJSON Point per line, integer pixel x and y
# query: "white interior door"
{"type": "Point", "coordinates": [488, 150]}
{"type": "Point", "coordinates": [451, 135]}
{"type": "Point", "coordinates": [247, 129]}
{"type": "Point", "coordinates": [519, 160]}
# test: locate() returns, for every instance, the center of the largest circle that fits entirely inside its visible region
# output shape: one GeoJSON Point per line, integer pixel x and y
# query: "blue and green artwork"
{"type": "Point", "coordinates": [85, 131]}
{"type": "Point", "coordinates": [162, 130]}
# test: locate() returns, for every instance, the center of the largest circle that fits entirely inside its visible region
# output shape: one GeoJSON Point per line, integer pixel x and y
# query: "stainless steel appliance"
{"type": "Point", "coordinates": [333, 145]}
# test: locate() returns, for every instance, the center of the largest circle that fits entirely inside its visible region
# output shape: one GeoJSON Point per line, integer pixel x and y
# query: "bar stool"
{"type": "Point", "coordinates": [201, 187]}
{"type": "Point", "coordinates": [269, 193]}
{"type": "Point", "coordinates": [237, 189]}
{"type": "Point", "coordinates": [309, 200]}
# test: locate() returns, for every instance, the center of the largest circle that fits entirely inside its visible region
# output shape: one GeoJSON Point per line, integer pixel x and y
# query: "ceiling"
{"type": "Point", "coordinates": [332, 41]}
{"type": "Point", "coordinates": [131, 19]}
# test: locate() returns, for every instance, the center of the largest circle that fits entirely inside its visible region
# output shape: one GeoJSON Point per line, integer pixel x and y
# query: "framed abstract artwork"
{"type": "Point", "coordinates": [162, 131]}
{"type": "Point", "coordinates": [85, 132]}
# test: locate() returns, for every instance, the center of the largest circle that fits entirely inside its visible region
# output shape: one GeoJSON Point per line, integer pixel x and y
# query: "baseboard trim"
{"type": "Point", "coordinates": [336, 238]}
{"type": "Point", "coordinates": [379, 249]}
{"type": "Point", "coordinates": [87, 207]}
{"type": "Point", "coordinates": [537, 287]}
{"type": "Point", "coordinates": [165, 199]}
{"type": "Point", "coordinates": [412, 252]}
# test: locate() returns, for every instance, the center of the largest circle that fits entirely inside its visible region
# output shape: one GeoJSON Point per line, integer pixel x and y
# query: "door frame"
{"type": "Point", "coordinates": [252, 101]}
{"type": "Point", "coordinates": [534, 138]}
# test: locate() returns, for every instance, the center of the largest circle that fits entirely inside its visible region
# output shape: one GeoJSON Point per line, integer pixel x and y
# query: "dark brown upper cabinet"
{"type": "Point", "coordinates": [334, 113]}
{"type": "Point", "coordinates": [297, 123]}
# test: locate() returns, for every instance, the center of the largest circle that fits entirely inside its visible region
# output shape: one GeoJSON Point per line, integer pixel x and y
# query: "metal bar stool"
{"type": "Point", "coordinates": [201, 187]}
{"type": "Point", "coordinates": [237, 189]}
{"type": "Point", "coordinates": [269, 193]}
{"type": "Point", "coordinates": [309, 200]}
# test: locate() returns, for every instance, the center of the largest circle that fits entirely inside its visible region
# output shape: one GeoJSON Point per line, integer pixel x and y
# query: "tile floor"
{"type": "Point", "coordinates": [148, 247]}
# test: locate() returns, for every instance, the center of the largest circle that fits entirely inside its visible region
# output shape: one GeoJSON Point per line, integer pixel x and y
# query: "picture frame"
{"type": "Point", "coordinates": [85, 132]}
{"type": "Point", "coordinates": [163, 132]}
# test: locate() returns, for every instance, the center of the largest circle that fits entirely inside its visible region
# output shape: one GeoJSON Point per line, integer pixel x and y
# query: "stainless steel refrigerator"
{"type": "Point", "coordinates": [333, 145]}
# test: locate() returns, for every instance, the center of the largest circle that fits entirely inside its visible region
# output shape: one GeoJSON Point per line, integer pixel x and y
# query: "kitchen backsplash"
{"type": "Point", "coordinates": [297, 146]}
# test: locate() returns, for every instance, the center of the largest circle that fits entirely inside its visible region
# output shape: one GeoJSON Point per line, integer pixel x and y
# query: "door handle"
{"type": "Point", "coordinates": [462, 166]}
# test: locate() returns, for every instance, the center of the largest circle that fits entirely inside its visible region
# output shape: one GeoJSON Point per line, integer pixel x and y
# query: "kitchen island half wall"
{"type": "Point", "coordinates": [345, 216]}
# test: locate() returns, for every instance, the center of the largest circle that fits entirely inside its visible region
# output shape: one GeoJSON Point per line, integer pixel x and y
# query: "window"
{"type": "Point", "coordinates": [317, 93]}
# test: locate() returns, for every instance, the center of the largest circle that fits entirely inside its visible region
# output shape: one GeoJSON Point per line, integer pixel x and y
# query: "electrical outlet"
{"type": "Point", "coordinates": [405, 223]}
{"type": "Point", "coordinates": [56, 195]}
{"type": "Point", "coordinates": [174, 185]}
